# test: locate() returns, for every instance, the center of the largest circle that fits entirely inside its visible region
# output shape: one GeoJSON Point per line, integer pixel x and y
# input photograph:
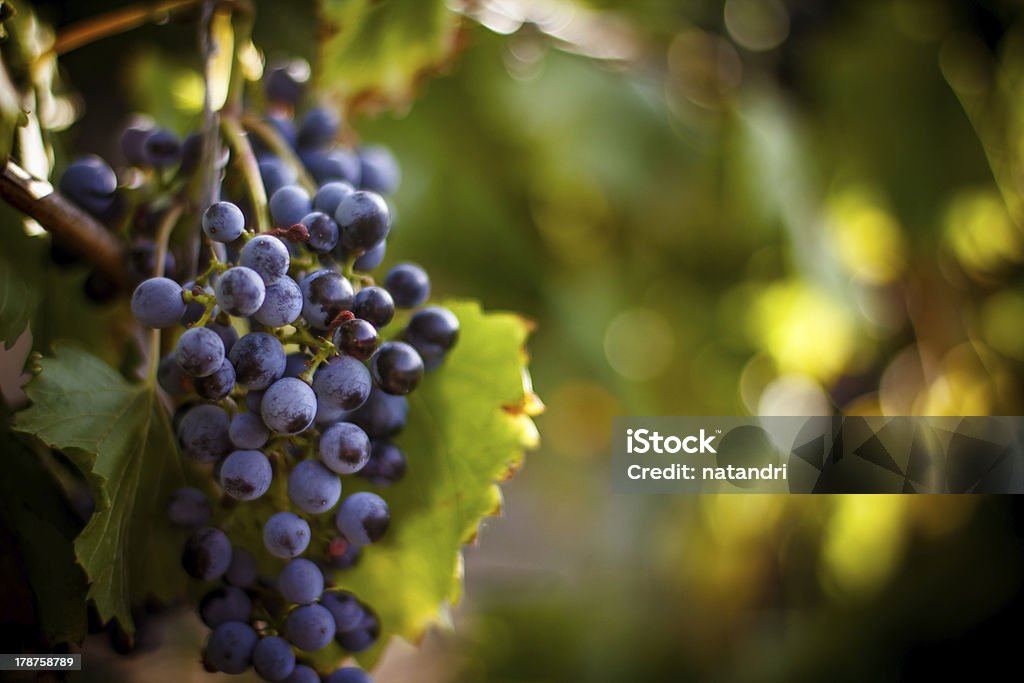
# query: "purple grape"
{"type": "Point", "coordinates": [344, 448]}
{"type": "Point", "coordinates": [245, 475]}
{"type": "Point", "coordinates": [207, 554]}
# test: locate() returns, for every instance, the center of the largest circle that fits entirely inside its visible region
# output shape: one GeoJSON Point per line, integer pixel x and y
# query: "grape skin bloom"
{"type": "Point", "coordinates": [240, 291]}
{"type": "Point", "coordinates": [313, 488]}
{"type": "Point", "coordinates": [289, 406]}
{"type": "Point", "coordinates": [157, 303]}
{"type": "Point", "coordinates": [363, 518]}
{"type": "Point", "coordinates": [268, 256]}
{"type": "Point", "coordinates": [246, 475]}
{"type": "Point", "coordinates": [286, 535]}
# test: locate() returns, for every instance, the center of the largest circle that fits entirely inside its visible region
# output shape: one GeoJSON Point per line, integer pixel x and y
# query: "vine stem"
{"type": "Point", "coordinates": [72, 226]}
{"type": "Point", "coordinates": [110, 24]}
{"type": "Point", "coordinates": [238, 141]}
{"type": "Point", "coordinates": [280, 148]}
{"type": "Point", "coordinates": [126, 19]}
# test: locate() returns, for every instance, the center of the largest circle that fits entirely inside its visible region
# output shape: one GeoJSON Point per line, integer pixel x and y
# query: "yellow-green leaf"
{"type": "Point", "coordinates": [378, 50]}
{"type": "Point", "coordinates": [469, 423]}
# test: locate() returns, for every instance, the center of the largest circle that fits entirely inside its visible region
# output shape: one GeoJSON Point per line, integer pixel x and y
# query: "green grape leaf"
{"type": "Point", "coordinates": [120, 436]}
{"type": "Point", "coordinates": [469, 424]}
{"type": "Point", "coordinates": [44, 526]}
{"type": "Point", "coordinates": [21, 276]}
{"type": "Point", "coordinates": [376, 51]}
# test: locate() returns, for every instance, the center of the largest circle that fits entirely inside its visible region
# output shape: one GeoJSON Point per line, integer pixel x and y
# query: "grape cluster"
{"type": "Point", "coordinates": [289, 377]}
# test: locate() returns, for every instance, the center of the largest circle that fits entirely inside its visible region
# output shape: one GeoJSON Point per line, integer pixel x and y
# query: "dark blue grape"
{"type": "Point", "coordinates": [259, 360]}
{"type": "Point", "coordinates": [364, 221]}
{"type": "Point", "coordinates": [331, 165]}
{"type": "Point", "coordinates": [230, 647]}
{"type": "Point", "coordinates": [284, 126]}
{"type": "Point", "coordinates": [356, 338]}
{"type": "Point", "coordinates": [432, 332]}
{"type": "Point", "coordinates": [267, 255]}
{"type": "Point", "coordinates": [203, 433]}
{"type": "Point", "coordinates": [245, 475]}
{"type": "Point", "coordinates": [247, 431]}
{"type": "Point", "coordinates": [218, 385]}
{"type": "Point", "coordinates": [313, 488]}
{"type": "Point", "coordinates": [162, 149]}
{"type": "Point", "coordinates": [343, 383]}
{"type": "Point", "coordinates": [329, 196]}
{"type": "Point", "coordinates": [207, 554]}
{"type": "Point", "coordinates": [303, 674]}
{"type": "Point", "coordinates": [226, 333]}
{"type": "Point", "coordinates": [273, 659]}
{"type": "Point", "coordinates": [386, 465]}
{"type": "Point", "coordinates": [347, 555]}
{"type": "Point", "coordinates": [133, 144]}
{"type": "Point", "coordinates": [171, 377]}
{"type": "Point", "coordinates": [344, 448]}
{"type": "Point", "coordinates": [223, 222]}
{"type": "Point", "coordinates": [90, 183]}
{"type": "Point", "coordinates": [374, 305]}
{"type": "Point", "coordinates": [363, 636]}
{"type": "Point", "coordinates": [282, 304]}
{"type": "Point", "coordinates": [310, 627]}
{"type": "Point", "coordinates": [192, 154]}
{"type": "Point", "coordinates": [240, 291]}
{"type": "Point", "coordinates": [397, 368]}
{"type": "Point", "coordinates": [225, 604]}
{"type": "Point", "coordinates": [253, 401]}
{"type": "Point", "coordinates": [323, 232]}
{"type": "Point", "coordinates": [189, 508]}
{"type": "Point", "coordinates": [328, 414]}
{"type": "Point", "coordinates": [300, 582]}
{"type": "Point", "coordinates": [319, 127]}
{"type": "Point", "coordinates": [345, 609]}
{"type": "Point", "coordinates": [199, 352]}
{"type": "Point", "coordinates": [382, 415]}
{"type": "Point", "coordinates": [289, 205]}
{"type": "Point", "coordinates": [289, 406]}
{"type": "Point", "coordinates": [372, 259]}
{"type": "Point", "coordinates": [286, 535]}
{"type": "Point", "coordinates": [380, 172]}
{"type": "Point", "coordinates": [408, 284]}
{"type": "Point", "coordinates": [275, 174]}
{"type": "Point", "coordinates": [285, 83]}
{"type": "Point", "coordinates": [242, 570]}
{"type": "Point", "coordinates": [349, 674]}
{"type": "Point", "coordinates": [363, 518]}
{"type": "Point", "coordinates": [325, 294]}
{"type": "Point", "coordinates": [158, 303]}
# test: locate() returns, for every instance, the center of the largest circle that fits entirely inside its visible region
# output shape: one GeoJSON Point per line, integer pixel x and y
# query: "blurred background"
{"type": "Point", "coordinates": [750, 207]}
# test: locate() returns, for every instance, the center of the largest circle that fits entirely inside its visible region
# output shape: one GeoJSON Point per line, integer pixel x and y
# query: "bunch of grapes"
{"type": "Point", "coordinates": [309, 394]}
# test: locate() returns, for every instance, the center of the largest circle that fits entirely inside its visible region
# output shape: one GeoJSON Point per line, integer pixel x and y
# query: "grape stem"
{"type": "Point", "coordinates": [280, 148]}
{"type": "Point", "coordinates": [73, 227]}
{"type": "Point", "coordinates": [241, 150]}
{"type": "Point", "coordinates": [323, 353]}
{"type": "Point", "coordinates": [163, 236]}
{"type": "Point", "coordinates": [216, 266]}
